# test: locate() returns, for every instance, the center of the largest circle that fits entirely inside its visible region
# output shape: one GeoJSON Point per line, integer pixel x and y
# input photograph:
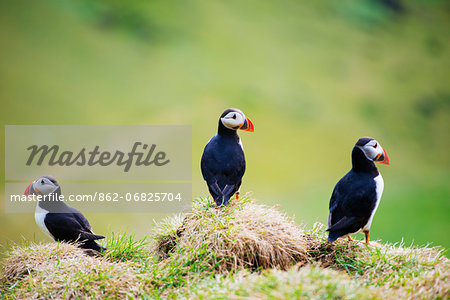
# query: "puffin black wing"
{"type": "Point", "coordinates": [351, 204]}
{"type": "Point", "coordinates": [72, 227]}
{"type": "Point", "coordinates": [81, 219]}
{"type": "Point", "coordinates": [223, 166]}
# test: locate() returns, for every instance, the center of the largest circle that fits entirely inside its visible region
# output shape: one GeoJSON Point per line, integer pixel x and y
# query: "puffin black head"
{"type": "Point", "coordinates": [44, 185]}
{"type": "Point", "coordinates": [372, 150]}
{"type": "Point", "coordinates": [234, 119]}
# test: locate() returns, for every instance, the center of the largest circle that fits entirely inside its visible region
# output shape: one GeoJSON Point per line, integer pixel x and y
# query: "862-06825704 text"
{"type": "Point", "coordinates": [102, 197]}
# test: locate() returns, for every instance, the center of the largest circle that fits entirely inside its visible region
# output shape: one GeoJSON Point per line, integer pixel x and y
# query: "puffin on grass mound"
{"type": "Point", "coordinates": [356, 196]}
{"type": "Point", "coordinates": [223, 160]}
{"type": "Point", "coordinates": [57, 219]}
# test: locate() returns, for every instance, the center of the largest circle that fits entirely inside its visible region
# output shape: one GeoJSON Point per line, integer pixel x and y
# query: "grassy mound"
{"type": "Point", "coordinates": [64, 271]}
{"type": "Point", "coordinates": [242, 250]}
{"type": "Point", "coordinates": [242, 234]}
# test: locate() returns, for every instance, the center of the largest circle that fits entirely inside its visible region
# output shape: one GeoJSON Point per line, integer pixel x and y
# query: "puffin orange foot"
{"type": "Point", "coordinates": [237, 195]}
{"type": "Point", "coordinates": [367, 237]}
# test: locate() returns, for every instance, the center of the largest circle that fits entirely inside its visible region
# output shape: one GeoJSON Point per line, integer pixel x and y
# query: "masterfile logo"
{"type": "Point", "coordinates": [103, 168]}
{"type": "Point", "coordinates": [98, 152]}
{"type": "Point", "coordinates": [85, 157]}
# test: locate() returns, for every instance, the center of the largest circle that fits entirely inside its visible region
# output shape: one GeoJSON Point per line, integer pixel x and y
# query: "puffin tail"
{"type": "Point", "coordinates": [333, 235]}
{"type": "Point", "coordinates": [342, 227]}
{"type": "Point", "coordinates": [221, 200]}
{"type": "Point", "coordinates": [227, 193]}
{"type": "Point", "coordinates": [222, 197]}
{"type": "Point", "coordinates": [90, 244]}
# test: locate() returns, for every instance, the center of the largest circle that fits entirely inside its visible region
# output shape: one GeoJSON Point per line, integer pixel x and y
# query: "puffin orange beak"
{"type": "Point", "coordinates": [383, 158]}
{"type": "Point", "coordinates": [248, 126]}
{"type": "Point", "coordinates": [27, 190]}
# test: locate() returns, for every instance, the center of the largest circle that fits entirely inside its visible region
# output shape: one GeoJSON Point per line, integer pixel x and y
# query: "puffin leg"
{"type": "Point", "coordinates": [367, 237]}
{"type": "Point", "coordinates": [237, 195]}
{"type": "Point", "coordinates": [350, 238]}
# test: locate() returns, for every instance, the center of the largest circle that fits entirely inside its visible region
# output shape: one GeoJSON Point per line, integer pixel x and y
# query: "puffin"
{"type": "Point", "coordinates": [356, 196]}
{"type": "Point", "coordinates": [223, 159]}
{"type": "Point", "coordinates": [57, 219]}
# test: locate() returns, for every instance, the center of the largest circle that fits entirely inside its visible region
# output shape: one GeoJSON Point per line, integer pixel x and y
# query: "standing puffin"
{"type": "Point", "coordinates": [60, 221]}
{"type": "Point", "coordinates": [223, 160]}
{"type": "Point", "coordinates": [356, 196]}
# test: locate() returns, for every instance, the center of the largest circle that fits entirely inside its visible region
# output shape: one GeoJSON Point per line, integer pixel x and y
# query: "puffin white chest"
{"type": "Point", "coordinates": [379, 185]}
{"type": "Point", "coordinates": [39, 216]}
{"type": "Point", "coordinates": [240, 143]}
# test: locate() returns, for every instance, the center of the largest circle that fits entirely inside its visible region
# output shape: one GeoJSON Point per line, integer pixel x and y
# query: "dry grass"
{"type": "Point", "coordinates": [308, 282]}
{"type": "Point", "coordinates": [243, 234]}
{"type": "Point", "coordinates": [242, 250]}
{"type": "Point", "coordinates": [65, 271]}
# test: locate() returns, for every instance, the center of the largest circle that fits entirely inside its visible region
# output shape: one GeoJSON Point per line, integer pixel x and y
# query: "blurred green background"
{"type": "Point", "coordinates": [313, 76]}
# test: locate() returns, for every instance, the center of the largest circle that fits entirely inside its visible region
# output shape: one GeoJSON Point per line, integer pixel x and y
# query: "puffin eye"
{"type": "Point", "coordinates": [375, 146]}
{"type": "Point", "coordinates": [234, 116]}
{"type": "Point", "coordinates": [42, 181]}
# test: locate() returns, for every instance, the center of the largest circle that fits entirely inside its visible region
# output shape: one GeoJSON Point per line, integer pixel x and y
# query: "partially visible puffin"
{"type": "Point", "coordinates": [356, 196]}
{"type": "Point", "coordinates": [223, 160]}
{"type": "Point", "coordinates": [57, 219]}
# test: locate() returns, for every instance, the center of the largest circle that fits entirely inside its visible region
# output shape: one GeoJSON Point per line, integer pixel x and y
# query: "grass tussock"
{"type": "Point", "coordinates": [239, 251]}
{"type": "Point", "coordinates": [240, 235]}
{"type": "Point", "coordinates": [65, 271]}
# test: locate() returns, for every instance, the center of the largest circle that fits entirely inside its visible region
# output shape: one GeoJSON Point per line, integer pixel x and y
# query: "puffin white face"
{"type": "Point", "coordinates": [233, 120]}
{"type": "Point", "coordinates": [42, 186]}
{"type": "Point", "coordinates": [373, 151]}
